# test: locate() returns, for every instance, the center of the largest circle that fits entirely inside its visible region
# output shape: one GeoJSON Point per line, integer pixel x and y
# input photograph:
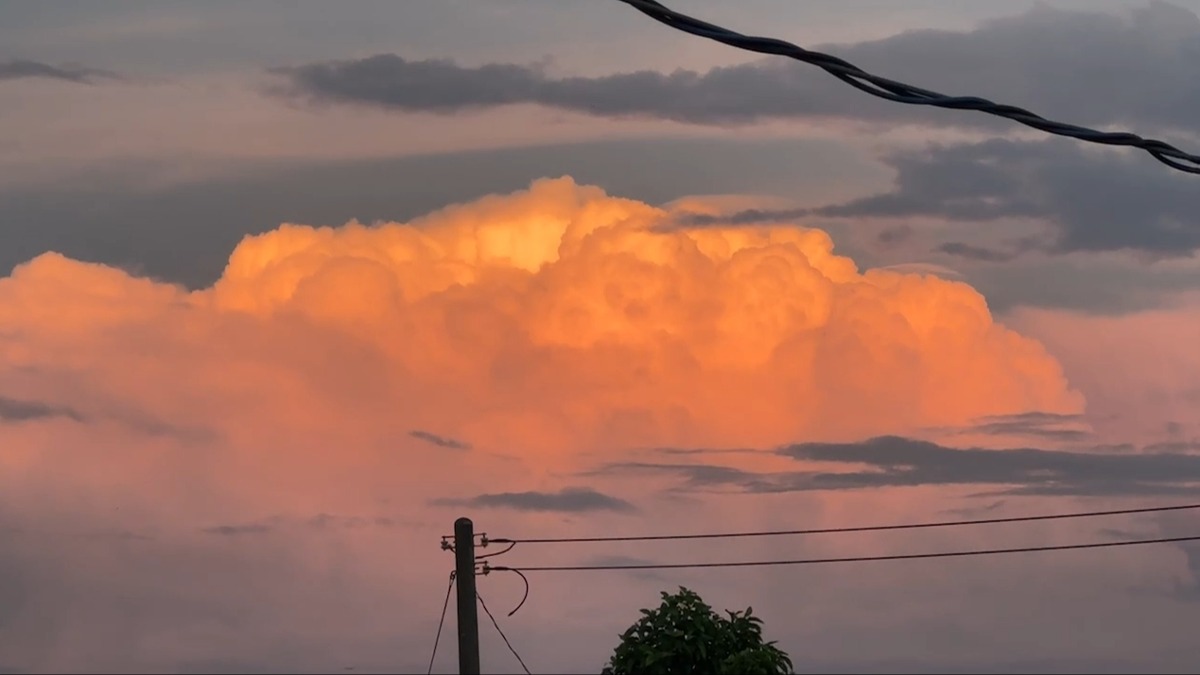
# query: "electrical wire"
{"type": "Point", "coordinates": [502, 635]}
{"type": "Point", "coordinates": [441, 622]}
{"type": "Point", "coordinates": [839, 530]}
{"type": "Point", "coordinates": [511, 545]}
{"type": "Point", "coordinates": [855, 559]}
{"type": "Point", "coordinates": [899, 92]}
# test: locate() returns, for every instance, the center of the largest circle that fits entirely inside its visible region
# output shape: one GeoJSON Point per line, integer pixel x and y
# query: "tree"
{"type": "Point", "coordinates": [684, 636]}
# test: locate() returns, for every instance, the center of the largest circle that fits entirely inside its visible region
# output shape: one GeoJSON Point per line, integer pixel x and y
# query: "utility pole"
{"type": "Point", "coordinates": [468, 612]}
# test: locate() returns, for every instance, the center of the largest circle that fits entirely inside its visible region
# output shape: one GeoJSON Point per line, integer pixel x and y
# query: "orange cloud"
{"type": "Point", "coordinates": [269, 448]}
{"type": "Point", "coordinates": [551, 320]}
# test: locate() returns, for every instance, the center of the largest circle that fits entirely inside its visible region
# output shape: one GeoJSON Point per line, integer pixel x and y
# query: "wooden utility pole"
{"type": "Point", "coordinates": [468, 613]}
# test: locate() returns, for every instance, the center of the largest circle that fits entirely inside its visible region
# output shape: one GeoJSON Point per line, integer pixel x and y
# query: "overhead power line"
{"type": "Point", "coordinates": [905, 93]}
{"type": "Point", "coordinates": [853, 559]}
{"type": "Point", "coordinates": [838, 530]}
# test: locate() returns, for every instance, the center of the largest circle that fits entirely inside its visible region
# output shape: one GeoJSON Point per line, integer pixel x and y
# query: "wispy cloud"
{"type": "Point", "coordinates": [440, 441]}
{"type": "Point", "coordinates": [567, 500]}
{"type": "Point", "coordinates": [1048, 426]}
{"type": "Point", "coordinates": [242, 529]}
{"type": "Point", "coordinates": [20, 69]}
{"type": "Point", "coordinates": [318, 522]}
{"type": "Point", "coordinates": [20, 410]}
{"type": "Point", "coordinates": [892, 461]}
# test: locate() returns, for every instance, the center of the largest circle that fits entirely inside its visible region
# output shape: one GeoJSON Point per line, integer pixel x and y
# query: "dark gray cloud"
{"type": "Point", "coordinates": [893, 461]}
{"type": "Point", "coordinates": [119, 222]}
{"type": "Point", "coordinates": [241, 529]}
{"type": "Point", "coordinates": [440, 441]}
{"type": "Point", "coordinates": [694, 475]}
{"type": "Point", "coordinates": [743, 217]}
{"type": "Point", "coordinates": [319, 522]}
{"type": "Point", "coordinates": [1174, 446]}
{"type": "Point", "coordinates": [19, 69]}
{"type": "Point", "coordinates": [1023, 60]}
{"type": "Point", "coordinates": [896, 461]}
{"type": "Point", "coordinates": [962, 249]}
{"type": "Point", "coordinates": [1048, 426]}
{"type": "Point", "coordinates": [1092, 201]}
{"type": "Point", "coordinates": [18, 410]}
{"type": "Point", "coordinates": [895, 235]}
{"type": "Point", "coordinates": [21, 410]}
{"type": "Point", "coordinates": [567, 500]}
{"type": "Point", "coordinates": [1087, 201]}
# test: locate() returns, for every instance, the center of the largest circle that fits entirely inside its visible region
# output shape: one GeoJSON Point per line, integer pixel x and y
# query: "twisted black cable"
{"type": "Point", "coordinates": [905, 93]}
{"type": "Point", "coordinates": [866, 528]}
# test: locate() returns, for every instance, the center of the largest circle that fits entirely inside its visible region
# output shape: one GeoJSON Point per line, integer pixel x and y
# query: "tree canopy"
{"type": "Point", "coordinates": [684, 636]}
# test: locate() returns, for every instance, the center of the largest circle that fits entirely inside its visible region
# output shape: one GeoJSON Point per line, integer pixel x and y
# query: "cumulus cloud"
{"type": "Point", "coordinates": [557, 312]}
{"type": "Point", "coordinates": [1022, 60]}
{"type": "Point", "coordinates": [18, 69]}
{"type": "Point", "coordinates": [551, 327]}
{"type": "Point", "coordinates": [562, 285]}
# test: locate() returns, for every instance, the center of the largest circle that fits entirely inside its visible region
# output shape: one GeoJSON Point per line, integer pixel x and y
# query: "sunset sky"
{"type": "Point", "coordinates": [288, 286]}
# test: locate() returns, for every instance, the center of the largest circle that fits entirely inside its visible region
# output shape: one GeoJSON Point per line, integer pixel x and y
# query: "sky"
{"type": "Point", "coordinates": [288, 287]}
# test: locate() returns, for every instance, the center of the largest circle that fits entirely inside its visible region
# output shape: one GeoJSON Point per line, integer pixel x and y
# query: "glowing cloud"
{"type": "Point", "coordinates": [247, 449]}
{"type": "Point", "coordinates": [550, 320]}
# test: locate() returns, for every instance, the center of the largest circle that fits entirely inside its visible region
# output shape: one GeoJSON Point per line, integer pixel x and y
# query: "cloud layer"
{"type": "Point", "coordinates": [19, 69]}
{"type": "Point", "coordinates": [892, 461]}
{"type": "Point", "coordinates": [1059, 62]}
{"type": "Point", "coordinates": [555, 313]}
{"type": "Point", "coordinates": [248, 460]}
{"type": "Point", "coordinates": [1086, 201]}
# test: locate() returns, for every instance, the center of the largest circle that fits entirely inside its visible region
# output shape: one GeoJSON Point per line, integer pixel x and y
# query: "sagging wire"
{"type": "Point", "coordinates": [487, 569]}
{"type": "Point", "coordinates": [900, 92]}
{"type": "Point", "coordinates": [501, 632]}
{"type": "Point", "coordinates": [857, 528]}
